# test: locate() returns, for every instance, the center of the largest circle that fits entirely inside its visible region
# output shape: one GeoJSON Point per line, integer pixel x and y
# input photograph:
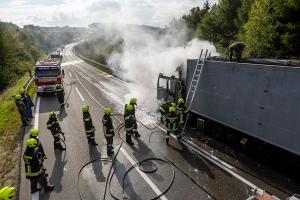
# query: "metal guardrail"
{"type": "Point", "coordinates": [28, 83]}
{"type": "Point", "coordinates": [107, 69]}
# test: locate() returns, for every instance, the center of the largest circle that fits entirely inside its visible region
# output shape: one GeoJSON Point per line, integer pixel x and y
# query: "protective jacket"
{"type": "Point", "coordinates": [53, 126]}
{"type": "Point", "coordinates": [108, 126]}
{"type": "Point", "coordinates": [21, 106]}
{"type": "Point", "coordinates": [60, 94]}
{"type": "Point", "coordinates": [172, 122]}
{"type": "Point", "coordinates": [182, 111]}
{"type": "Point", "coordinates": [88, 123]}
{"type": "Point", "coordinates": [129, 120]}
{"type": "Point", "coordinates": [40, 146]}
{"type": "Point", "coordinates": [33, 162]}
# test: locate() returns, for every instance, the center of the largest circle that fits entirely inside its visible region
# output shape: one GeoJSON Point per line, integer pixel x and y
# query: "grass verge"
{"type": "Point", "coordinates": [11, 133]}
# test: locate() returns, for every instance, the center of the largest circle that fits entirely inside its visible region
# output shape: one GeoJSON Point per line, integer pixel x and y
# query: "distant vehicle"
{"type": "Point", "coordinates": [47, 75]}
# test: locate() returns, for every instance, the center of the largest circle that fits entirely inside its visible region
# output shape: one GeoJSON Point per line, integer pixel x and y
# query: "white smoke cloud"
{"type": "Point", "coordinates": [146, 55]}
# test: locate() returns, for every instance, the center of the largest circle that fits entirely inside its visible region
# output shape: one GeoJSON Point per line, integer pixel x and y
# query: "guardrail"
{"type": "Point", "coordinates": [100, 66]}
{"type": "Point", "coordinates": [28, 83]}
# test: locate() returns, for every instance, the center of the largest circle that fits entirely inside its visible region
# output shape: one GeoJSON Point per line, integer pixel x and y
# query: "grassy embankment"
{"type": "Point", "coordinates": [11, 133]}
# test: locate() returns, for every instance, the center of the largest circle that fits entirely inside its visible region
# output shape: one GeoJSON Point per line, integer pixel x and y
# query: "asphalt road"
{"type": "Point", "coordinates": [195, 176]}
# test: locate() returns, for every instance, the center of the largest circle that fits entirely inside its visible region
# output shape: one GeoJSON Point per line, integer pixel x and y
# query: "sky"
{"type": "Point", "coordinates": [80, 13]}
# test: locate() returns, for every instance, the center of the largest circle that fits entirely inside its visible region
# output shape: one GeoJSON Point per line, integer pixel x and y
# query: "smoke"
{"type": "Point", "coordinates": [146, 54]}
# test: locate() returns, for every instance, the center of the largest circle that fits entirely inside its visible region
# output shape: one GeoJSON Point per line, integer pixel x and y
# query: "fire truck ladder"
{"type": "Point", "coordinates": [195, 80]}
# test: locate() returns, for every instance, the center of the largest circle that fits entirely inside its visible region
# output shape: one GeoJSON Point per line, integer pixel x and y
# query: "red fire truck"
{"type": "Point", "coordinates": [47, 75]}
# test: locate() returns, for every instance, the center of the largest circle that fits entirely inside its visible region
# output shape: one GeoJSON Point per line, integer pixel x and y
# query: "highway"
{"type": "Point", "coordinates": [196, 177]}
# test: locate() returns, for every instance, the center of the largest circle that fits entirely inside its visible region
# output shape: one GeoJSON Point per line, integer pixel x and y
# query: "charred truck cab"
{"type": "Point", "coordinates": [47, 75]}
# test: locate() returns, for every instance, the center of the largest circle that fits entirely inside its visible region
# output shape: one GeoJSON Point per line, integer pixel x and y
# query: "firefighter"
{"type": "Point", "coordinates": [54, 127]}
{"type": "Point", "coordinates": [21, 108]}
{"type": "Point", "coordinates": [164, 110]}
{"type": "Point", "coordinates": [88, 125]}
{"type": "Point", "coordinates": [129, 123]}
{"type": "Point", "coordinates": [133, 104]}
{"type": "Point", "coordinates": [34, 167]}
{"type": "Point", "coordinates": [181, 112]}
{"type": "Point", "coordinates": [172, 123]}
{"type": "Point", "coordinates": [28, 103]}
{"type": "Point", "coordinates": [7, 193]}
{"type": "Point", "coordinates": [59, 91]}
{"type": "Point", "coordinates": [237, 48]}
{"type": "Point", "coordinates": [108, 130]}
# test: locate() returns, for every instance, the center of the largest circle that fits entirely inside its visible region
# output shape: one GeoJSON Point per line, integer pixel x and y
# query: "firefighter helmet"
{"type": "Point", "coordinates": [31, 142]}
{"type": "Point", "coordinates": [22, 90]}
{"type": "Point", "coordinates": [7, 193]}
{"type": "Point", "coordinates": [52, 114]}
{"type": "Point", "coordinates": [108, 111]}
{"type": "Point", "coordinates": [173, 105]}
{"type": "Point", "coordinates": [180, 100]}
{"type": "Point", "coordinates": [172, 109]}
{"type": "Point", "coordinates": [129, 107]}
{"type": "Point", "coordinates": [85, 108]}
{"type": "Point", "coordinates": [133, 101]}
{"type": "Point", "coordinates": [34, 132]}
{"type": "Point", "coordinates": [18, 97]}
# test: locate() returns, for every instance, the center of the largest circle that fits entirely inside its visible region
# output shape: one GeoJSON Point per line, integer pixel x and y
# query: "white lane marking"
{"type": "Point", "coordinates": [70, 74]}
{"type": "Point", "coordinates": [99, 70]}
{"type": "Point", "coordinates": [79, 94]}
{"type": "Point", "coordinates": [100, 88]}
{"type": "Point", "coordinates": [36, 195]}
{"type": "Point", "coordinates": [144, 176]}
{"type": "Point", "coordinates": [88, 78]}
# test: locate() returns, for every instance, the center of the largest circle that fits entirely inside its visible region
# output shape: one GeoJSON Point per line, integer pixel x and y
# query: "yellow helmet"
{"type": "Point", "coordinates": [129, 107]}
{"type": "Point", "coordinates": [133, 101]}
{"type": "Point", "coordinates": [172, 109]}
{"type": "Point", "coordinates": [108, 111]}
{"type": "Point", "coordinates": [31, 142]}
{"type": "Point", "coordinates": [34, 132]}
{"type": "Point", "coordinates": [52, 114]}
{"type": "Point", "coordinates": [7, 193]}
{"type": "Point", "coordinates": [85, 108]}
{"type": "Point", "coordinates": [18, 97]}
{"type": "Point", "coordinates": [22, 90]}
{"type": "Point", "coordinates": [180, 100]}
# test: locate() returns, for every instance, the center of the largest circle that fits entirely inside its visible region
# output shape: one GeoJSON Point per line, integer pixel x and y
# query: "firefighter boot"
{"type": "Point", "coordinates": [136, 134]}
{"type": "Point", "coordinates": [128, 139]}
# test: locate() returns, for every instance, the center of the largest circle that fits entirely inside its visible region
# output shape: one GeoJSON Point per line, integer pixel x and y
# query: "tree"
{"type": "Point", "coordinates": [273, 29]}
{"type": "Point", "coordinates": [218, 26]}
{"type": "Point", "coordinates": [196, 15]}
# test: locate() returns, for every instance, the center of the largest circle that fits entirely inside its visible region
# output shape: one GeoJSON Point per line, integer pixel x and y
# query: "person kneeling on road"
{"type": "Point", "coordinates": [54, 127]}
{"type": "Point", "coordinates": [172, 124]}
{"type": "Point", "coordinates": [88, 125]}
{"type": "Point", "coordinates": [129, 123]}
{"type": "Point", "coordinates": [34, 167]}
{"type": "Point", "coordinates": [59, 91]}
{"type": "Point", "coordinates": [7, 193]}
{"type": "Point", "coordinates": [108, 130]}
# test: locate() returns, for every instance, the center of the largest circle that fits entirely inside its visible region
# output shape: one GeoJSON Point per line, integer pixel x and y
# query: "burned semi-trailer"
{"type": "Point", "coordinates": [259, 100]}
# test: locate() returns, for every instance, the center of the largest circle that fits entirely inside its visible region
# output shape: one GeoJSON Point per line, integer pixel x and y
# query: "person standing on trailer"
{"type": "Point", "coordinates": [237, 48]}
{"type": "Point", "coordinates": [54, 127]}
{"type": "Point", "coordinates": [108, 130]}
{"type": "Point", "coordinates": [88, 125]}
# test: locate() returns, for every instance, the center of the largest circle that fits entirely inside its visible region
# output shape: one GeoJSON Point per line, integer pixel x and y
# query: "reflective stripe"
{"type": "Point", "coordinates": [35, 173]}
{"type": "Point", "coordinates": [128, 129]}
{"type": "Point", "coordinates": [87, 119]}
{"type": "Point", "coordinates": [90, 131]}
{"type": "Point", "coordinates": [27, 157]}
{"type": "Point", "coordinates": [128, 117]}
